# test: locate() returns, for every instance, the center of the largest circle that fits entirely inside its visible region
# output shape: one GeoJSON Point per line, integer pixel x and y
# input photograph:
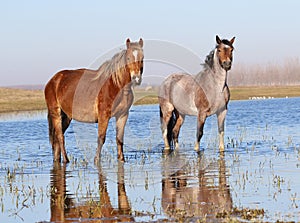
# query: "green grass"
{"type": "Point", "coordinates": [26, 100]}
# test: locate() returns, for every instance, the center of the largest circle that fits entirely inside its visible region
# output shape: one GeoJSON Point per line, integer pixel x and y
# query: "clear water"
{"type": "Point", "coordinates": [260, 169]}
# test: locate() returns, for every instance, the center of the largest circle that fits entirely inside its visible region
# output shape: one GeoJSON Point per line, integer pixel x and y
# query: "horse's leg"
{"type": "Point", "coordinates": [120, 126]}
{"type": "Point", "coordinates": [65, 122]}
{"type": "Point", "coordinates": [166, 110]}
{"type": "Point", "coordinates": [176, 129]}
{"type": "Point", "coordinates": [200, 124]}
{"type": "Point", "coordinates": [221, 119]}
{"type": "Point", "coordinates": [102, 127]}
{"type": "Point", "coordinates": [52, 136]}
{"type": "Point", "coordinates": [58, 137]}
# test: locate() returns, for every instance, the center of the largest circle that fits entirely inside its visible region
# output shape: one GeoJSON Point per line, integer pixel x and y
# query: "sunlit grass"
{"type": "Point", "coordinates": [21, 100]}
{"type": "Point", "coordinates": [26, 100]}
{"type": "Point", "coordinates": [244, 93]}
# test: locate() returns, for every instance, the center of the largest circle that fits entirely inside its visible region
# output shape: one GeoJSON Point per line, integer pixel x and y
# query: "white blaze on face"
{"type": "Point", "coordinates": [133, 74]}
{"type": "Point", "coordinates": [135, 54]}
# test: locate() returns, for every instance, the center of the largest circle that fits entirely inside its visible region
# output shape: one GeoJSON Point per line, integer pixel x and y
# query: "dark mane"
{"type": "Point", "coordinates": [227, 42]}
{"type": "Point", "coordinates": [209, 60]}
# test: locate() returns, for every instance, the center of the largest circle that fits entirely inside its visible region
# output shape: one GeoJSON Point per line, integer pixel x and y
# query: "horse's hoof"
{"type": "Point", "coordinates": [96, 160]}
{"type": "Point", "coordinates": [57, 160]}
{"type": "Point", "coordinates": [66, 160]}
{"type": "Point", "coordinates": [221, 149]}
{"type": "Point", "coordinates": [222, 155]}
{"type": "Point", "coordinates": [166, 152]}
{"type": "Point", "coordinates": [121, 159]}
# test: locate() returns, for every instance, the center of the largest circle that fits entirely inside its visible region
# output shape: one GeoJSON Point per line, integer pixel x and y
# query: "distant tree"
{"type": "Point", "coordinates": [270, 74]}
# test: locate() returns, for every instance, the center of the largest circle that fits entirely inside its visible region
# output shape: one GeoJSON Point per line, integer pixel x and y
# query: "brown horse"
{"type": "Point", "coordinates": [202, 95]}
{"type": "Point", "coordinates": [94, 96]}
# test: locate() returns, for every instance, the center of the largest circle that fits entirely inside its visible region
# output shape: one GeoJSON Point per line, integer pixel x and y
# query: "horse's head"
{"type": "Point", "coordinates": [224, 52]}
{"type": "Point", "coordinates": [135, 60]}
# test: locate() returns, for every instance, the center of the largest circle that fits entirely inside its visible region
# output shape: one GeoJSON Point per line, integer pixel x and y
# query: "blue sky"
{"type": "Point", "coordinates": [39, 38]}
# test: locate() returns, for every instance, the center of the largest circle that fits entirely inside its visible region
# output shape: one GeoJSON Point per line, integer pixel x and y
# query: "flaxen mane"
{"type": "Point", "coordinates": [115, 67]}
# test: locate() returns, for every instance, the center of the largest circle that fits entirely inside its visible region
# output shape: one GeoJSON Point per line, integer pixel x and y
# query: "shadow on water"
{"type": "Point", "coordinates": [199, 190]}
{"type": "Point", "coordinates": [65, 208]}
{"type": "Point", "coordinates": [190, 189]}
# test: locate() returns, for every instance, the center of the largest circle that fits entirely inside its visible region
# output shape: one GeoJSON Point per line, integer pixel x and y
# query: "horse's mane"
{"type": "Point", "coordinates": [115, 67]}
{"type": "Point", "coordinates": [209, 60]}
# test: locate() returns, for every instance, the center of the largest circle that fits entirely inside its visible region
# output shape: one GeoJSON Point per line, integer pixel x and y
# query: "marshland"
{"type": "Point", "coordinates": [254, 180]}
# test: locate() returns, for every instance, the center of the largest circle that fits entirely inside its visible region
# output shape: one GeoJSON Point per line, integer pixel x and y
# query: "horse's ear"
{"type": "Point", "coordinates": [141, 42]}
{"type": "Point", "coordinates": [219, 41]}
{"type": "Point", "coordinates": [232, 40]}
{"type": "Point", "coordinates": [128, 43]}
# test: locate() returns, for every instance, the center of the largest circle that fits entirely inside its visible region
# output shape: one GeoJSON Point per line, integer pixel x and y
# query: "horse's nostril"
{"type": "Point", "coordinates": [226, 65]}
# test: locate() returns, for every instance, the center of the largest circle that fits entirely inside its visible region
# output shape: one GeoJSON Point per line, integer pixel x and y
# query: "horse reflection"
{"type": "Point", "coordinates": [205, 198]}
{"type": "Point", "coordinates": [65, 208]}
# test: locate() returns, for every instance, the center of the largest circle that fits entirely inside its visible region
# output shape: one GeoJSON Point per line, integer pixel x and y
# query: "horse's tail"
{"type": "Point", "coordinates": [170, 125]}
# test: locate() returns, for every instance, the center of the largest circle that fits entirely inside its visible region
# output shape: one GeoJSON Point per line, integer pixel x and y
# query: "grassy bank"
{"type": "Point", "coordinates": [244, 93]}
{"type": "Point", "coordinates": [26, 100]}
{"type": "Point", "coordinates": [21, 100]}
{"type": "Point", "coordinates": [237, 93]}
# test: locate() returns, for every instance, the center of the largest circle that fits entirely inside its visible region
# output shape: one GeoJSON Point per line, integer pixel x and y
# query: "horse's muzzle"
{"type": "Point", "coordinates": [136, 79]}
{"type": "Point", "coordinates": [226, 65]}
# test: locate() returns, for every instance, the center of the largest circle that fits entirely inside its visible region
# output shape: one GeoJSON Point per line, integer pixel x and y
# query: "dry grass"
{"type": "Point", "coordinates": [244, 93]}
{"type": "Point", "coordinates": [237, 93]}
{"type": "Point", "coordinates": [26, 100]}
{"type": "Point", "coordinates": [21, 100]}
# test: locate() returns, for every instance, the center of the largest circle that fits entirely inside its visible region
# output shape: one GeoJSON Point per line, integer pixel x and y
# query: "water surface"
{"type": "Point", "coordinates": [259, 170]}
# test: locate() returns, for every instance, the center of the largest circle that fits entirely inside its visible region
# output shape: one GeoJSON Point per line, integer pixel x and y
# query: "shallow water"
{"type": "Point", "coordinates": [260, 168]}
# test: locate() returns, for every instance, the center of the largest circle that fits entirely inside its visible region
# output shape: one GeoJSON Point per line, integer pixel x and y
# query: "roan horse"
{"type": "Point", "coordinates": [94, 96]}
{"type": "Point", "coordinates": [202, 95]}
